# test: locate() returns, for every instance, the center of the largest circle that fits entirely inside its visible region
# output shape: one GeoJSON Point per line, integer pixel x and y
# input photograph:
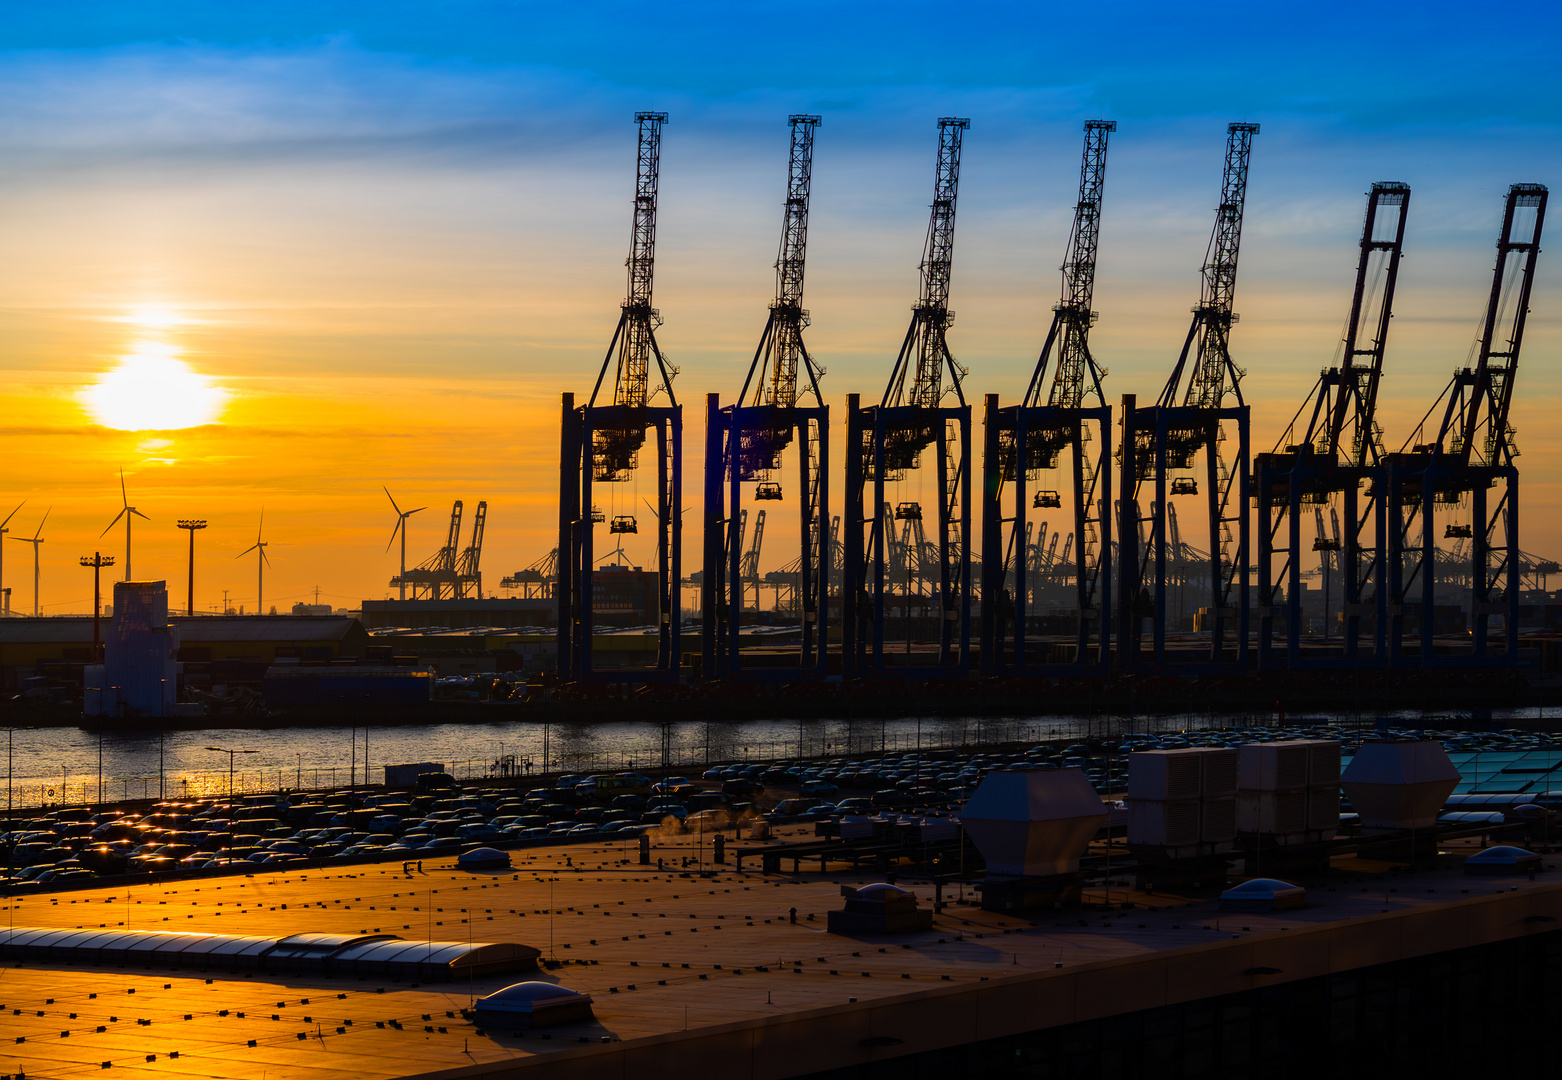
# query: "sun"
{"type": "Point", "coordinates": [153, 390]}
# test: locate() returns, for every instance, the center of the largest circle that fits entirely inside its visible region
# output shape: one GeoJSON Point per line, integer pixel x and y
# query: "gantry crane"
{"type": "Point", "coordinates": [536, 581]}
{"type": "Point", "coordinates": [1471, 452]}
{"type": "Point", "coordinates": [1023, 443]}
{"type": "Point", "coordinates": [745, 444]}
{"type": "Point", "coordinates": [601, 443]}
{"type": "Point", "coordinates": [1162, 443]}
{"type": "Point", "coordinates": [1338, 453]}
{"type": "Point", "coordinates": [441, 575]}
{"type": "Point", "coordinates": [884, 443]}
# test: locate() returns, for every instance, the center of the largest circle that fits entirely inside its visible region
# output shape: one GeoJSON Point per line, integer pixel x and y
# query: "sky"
{"type": "Point", "coordinates": [362, 245]}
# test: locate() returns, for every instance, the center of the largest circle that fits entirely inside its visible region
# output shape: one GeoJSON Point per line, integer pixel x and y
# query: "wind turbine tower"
{"type": "Point", "coordinates": [35, 540]}
{"type": "Point", "coordinates": [3, 531]}
{"type": "Point", "coordinates": [401, 527]}
{"type": "Point", "coordinates": [127, 512]}
{"type": "Point", "coordinates": [259, 547]}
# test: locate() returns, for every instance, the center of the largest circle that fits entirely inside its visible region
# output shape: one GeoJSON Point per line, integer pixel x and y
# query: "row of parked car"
{"type": "Point", "coordinates": [440, 817]}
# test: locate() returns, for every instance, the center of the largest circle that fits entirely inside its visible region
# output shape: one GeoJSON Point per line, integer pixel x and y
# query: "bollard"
{"type": "Point", "coordinates": [645, 850]}
{"type": "Point", "coordinates": [718, 847]}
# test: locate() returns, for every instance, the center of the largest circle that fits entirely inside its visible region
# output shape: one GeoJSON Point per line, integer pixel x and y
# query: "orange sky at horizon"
{"type": "Point", "coordinates": [409, 322]}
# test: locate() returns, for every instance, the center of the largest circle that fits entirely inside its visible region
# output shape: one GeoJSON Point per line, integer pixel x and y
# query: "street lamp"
{"type": "Point", "coordinates": [230, 753]}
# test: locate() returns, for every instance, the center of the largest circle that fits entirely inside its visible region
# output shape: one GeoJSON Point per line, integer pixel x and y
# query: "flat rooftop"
{"type": "Point", "coordinates": [708, 967]}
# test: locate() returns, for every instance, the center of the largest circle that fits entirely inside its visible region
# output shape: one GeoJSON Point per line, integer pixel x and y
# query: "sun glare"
{"type": "Point", "coordinates": [153, 390]}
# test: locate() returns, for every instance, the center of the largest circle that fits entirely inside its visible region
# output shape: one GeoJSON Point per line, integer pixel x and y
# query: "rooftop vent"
{"type": "Point", "coordinates": [1033, 824]}
{"type": "Point", "coordinates": [1399, 785]}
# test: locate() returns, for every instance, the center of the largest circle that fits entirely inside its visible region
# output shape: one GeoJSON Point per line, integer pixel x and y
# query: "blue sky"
{"type": "Point", "coordinates": [435, 197]}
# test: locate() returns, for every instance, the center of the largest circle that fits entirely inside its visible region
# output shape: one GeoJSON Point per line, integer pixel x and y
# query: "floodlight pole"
{"type": "Point", "coordinates": [230, 753]}
{"type": "Point", "coordinates": [192, 527]}
{"type": "Point", "coordinates": [97, 561]}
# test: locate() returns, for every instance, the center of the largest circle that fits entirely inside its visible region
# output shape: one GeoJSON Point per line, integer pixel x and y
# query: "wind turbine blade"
{"type": "Point", "coordinates": [12, 514]}
{"type": "Point", "coordinates": [138, 513]}
{"type": "Point", "coordinates": [264, 557]}
{"type": "Point", "coordinates": [110, 524]}
{"type": "Point", "coordinates": [401, 521]}
{"type": "Point", "coordinates": [391, 497]}
{"type": "Point", "coordinates": [262, 524]}
{"type": "Point", "coordinates": [46, 514]}
{"type": "Point", "coordinates": [123, 497]}
{"type": "Point", "coordinates": [409, 513]}
{"type": "Point", "coordinates": [246, 551]}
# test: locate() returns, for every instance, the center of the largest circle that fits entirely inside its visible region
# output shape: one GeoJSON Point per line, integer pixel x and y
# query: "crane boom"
{"type": "Point", "coordinates": [1476, 419]}
{"type": "Point", "coordinates": [924, 353]}
{"type": "Point", "coordinates": [781, 347]}
{"type": "Point", "coordinates": [634, 345]}
{"type": "Point", "coordinates": [1072, 317]}
{"type": "Point", "coordinates": [1209, 336]}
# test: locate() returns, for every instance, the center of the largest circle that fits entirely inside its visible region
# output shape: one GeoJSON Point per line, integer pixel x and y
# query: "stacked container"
{"type": "Point", "coordinates": [1289, 792]}
{"type": "Point", "coordinates": [1182, 802]}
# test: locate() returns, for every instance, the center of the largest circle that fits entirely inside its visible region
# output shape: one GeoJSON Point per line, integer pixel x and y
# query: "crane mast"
{"type": "Point", "coordinates": [781, 350]}
{"type": "Point", "coordinates": [1072, 317]}
{"type": "Point", "coordinates": [925, 352]}
{"type": "Point", "coordinates": [634, 341]}
{"type": "Point", "coordinates": [1209, 336]}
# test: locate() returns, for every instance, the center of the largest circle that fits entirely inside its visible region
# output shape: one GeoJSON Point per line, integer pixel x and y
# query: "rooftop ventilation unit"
{"type": "Point", "coordinates": [1033, 824]}
{"type": "Point", "coordinates": [1399, 785]}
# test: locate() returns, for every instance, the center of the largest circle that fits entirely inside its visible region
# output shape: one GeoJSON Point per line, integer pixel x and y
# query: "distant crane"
{"type": "Point", "coordinates": [35, 540]}
{"type": "Point", "coordinates": [601, 443]}
{"type": "Point", "coordinates": [1470, 453]}
{"type": "Point", "coordinates": [746, 443]}
{"type": "Point", "coordinates": [127, 512]}
{"type": "Point", "coordinates": [885, 441]}
{"type": "Point", "coordinates": [1025, 442]}
{"type": "Point", "coordinates": [1161, 443]}
{"type": "Point", "coordinates": [1338, 450]}
{"type": "Point", "coordinates": [401, 530]}
{"type": "Point", "coordinates": [469, 564]}
{"type": "Point", "coordinates": [261, 562]}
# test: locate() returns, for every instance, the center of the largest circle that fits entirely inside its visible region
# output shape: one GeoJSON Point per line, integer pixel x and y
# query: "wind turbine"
{"type": "Point", "coordinates": [35, 539]}
{"type": "Point", "coordinates": [3, 531]}
{"type": "Point", "coordinates": [401, 527]}
{"type": "Point", "coordinates": [127, 513]}
{"type": "Point", "coordinates": [259, 546]}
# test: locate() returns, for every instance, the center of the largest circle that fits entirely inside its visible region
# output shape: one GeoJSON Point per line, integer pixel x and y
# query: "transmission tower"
{"type": "Point", "coordinates": [746, 444]}
{"type": "Point", "coordinates": [1338, 453]}
{"type": "Point", "coordinates": [884, 443]}
{"type": "Point", "coordinates": [1162, 443]}
{"type": "Point", "coordinates": [1471, 453]}
{"type": "Point", "coordinates": [601, 443]}
{"type": "Point", "coordinates": [1024, 444]}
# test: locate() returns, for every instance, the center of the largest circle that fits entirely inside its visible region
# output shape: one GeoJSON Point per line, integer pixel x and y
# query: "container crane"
{"type": "Point", "coordinates": [1339, 452]}
{"type": "Point", "coordinates": [1162, 443]}
{"type": "Point", "coordinates": [885, 442]}
{"type": "Point", "coordinates": [601, 443]}
{"type": "Point", "coordinates": [1024, 443]}
{"type": "Point", "coordinates": [746, 444]}
{"type": "Point", "coordinates": [1471, 452]}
